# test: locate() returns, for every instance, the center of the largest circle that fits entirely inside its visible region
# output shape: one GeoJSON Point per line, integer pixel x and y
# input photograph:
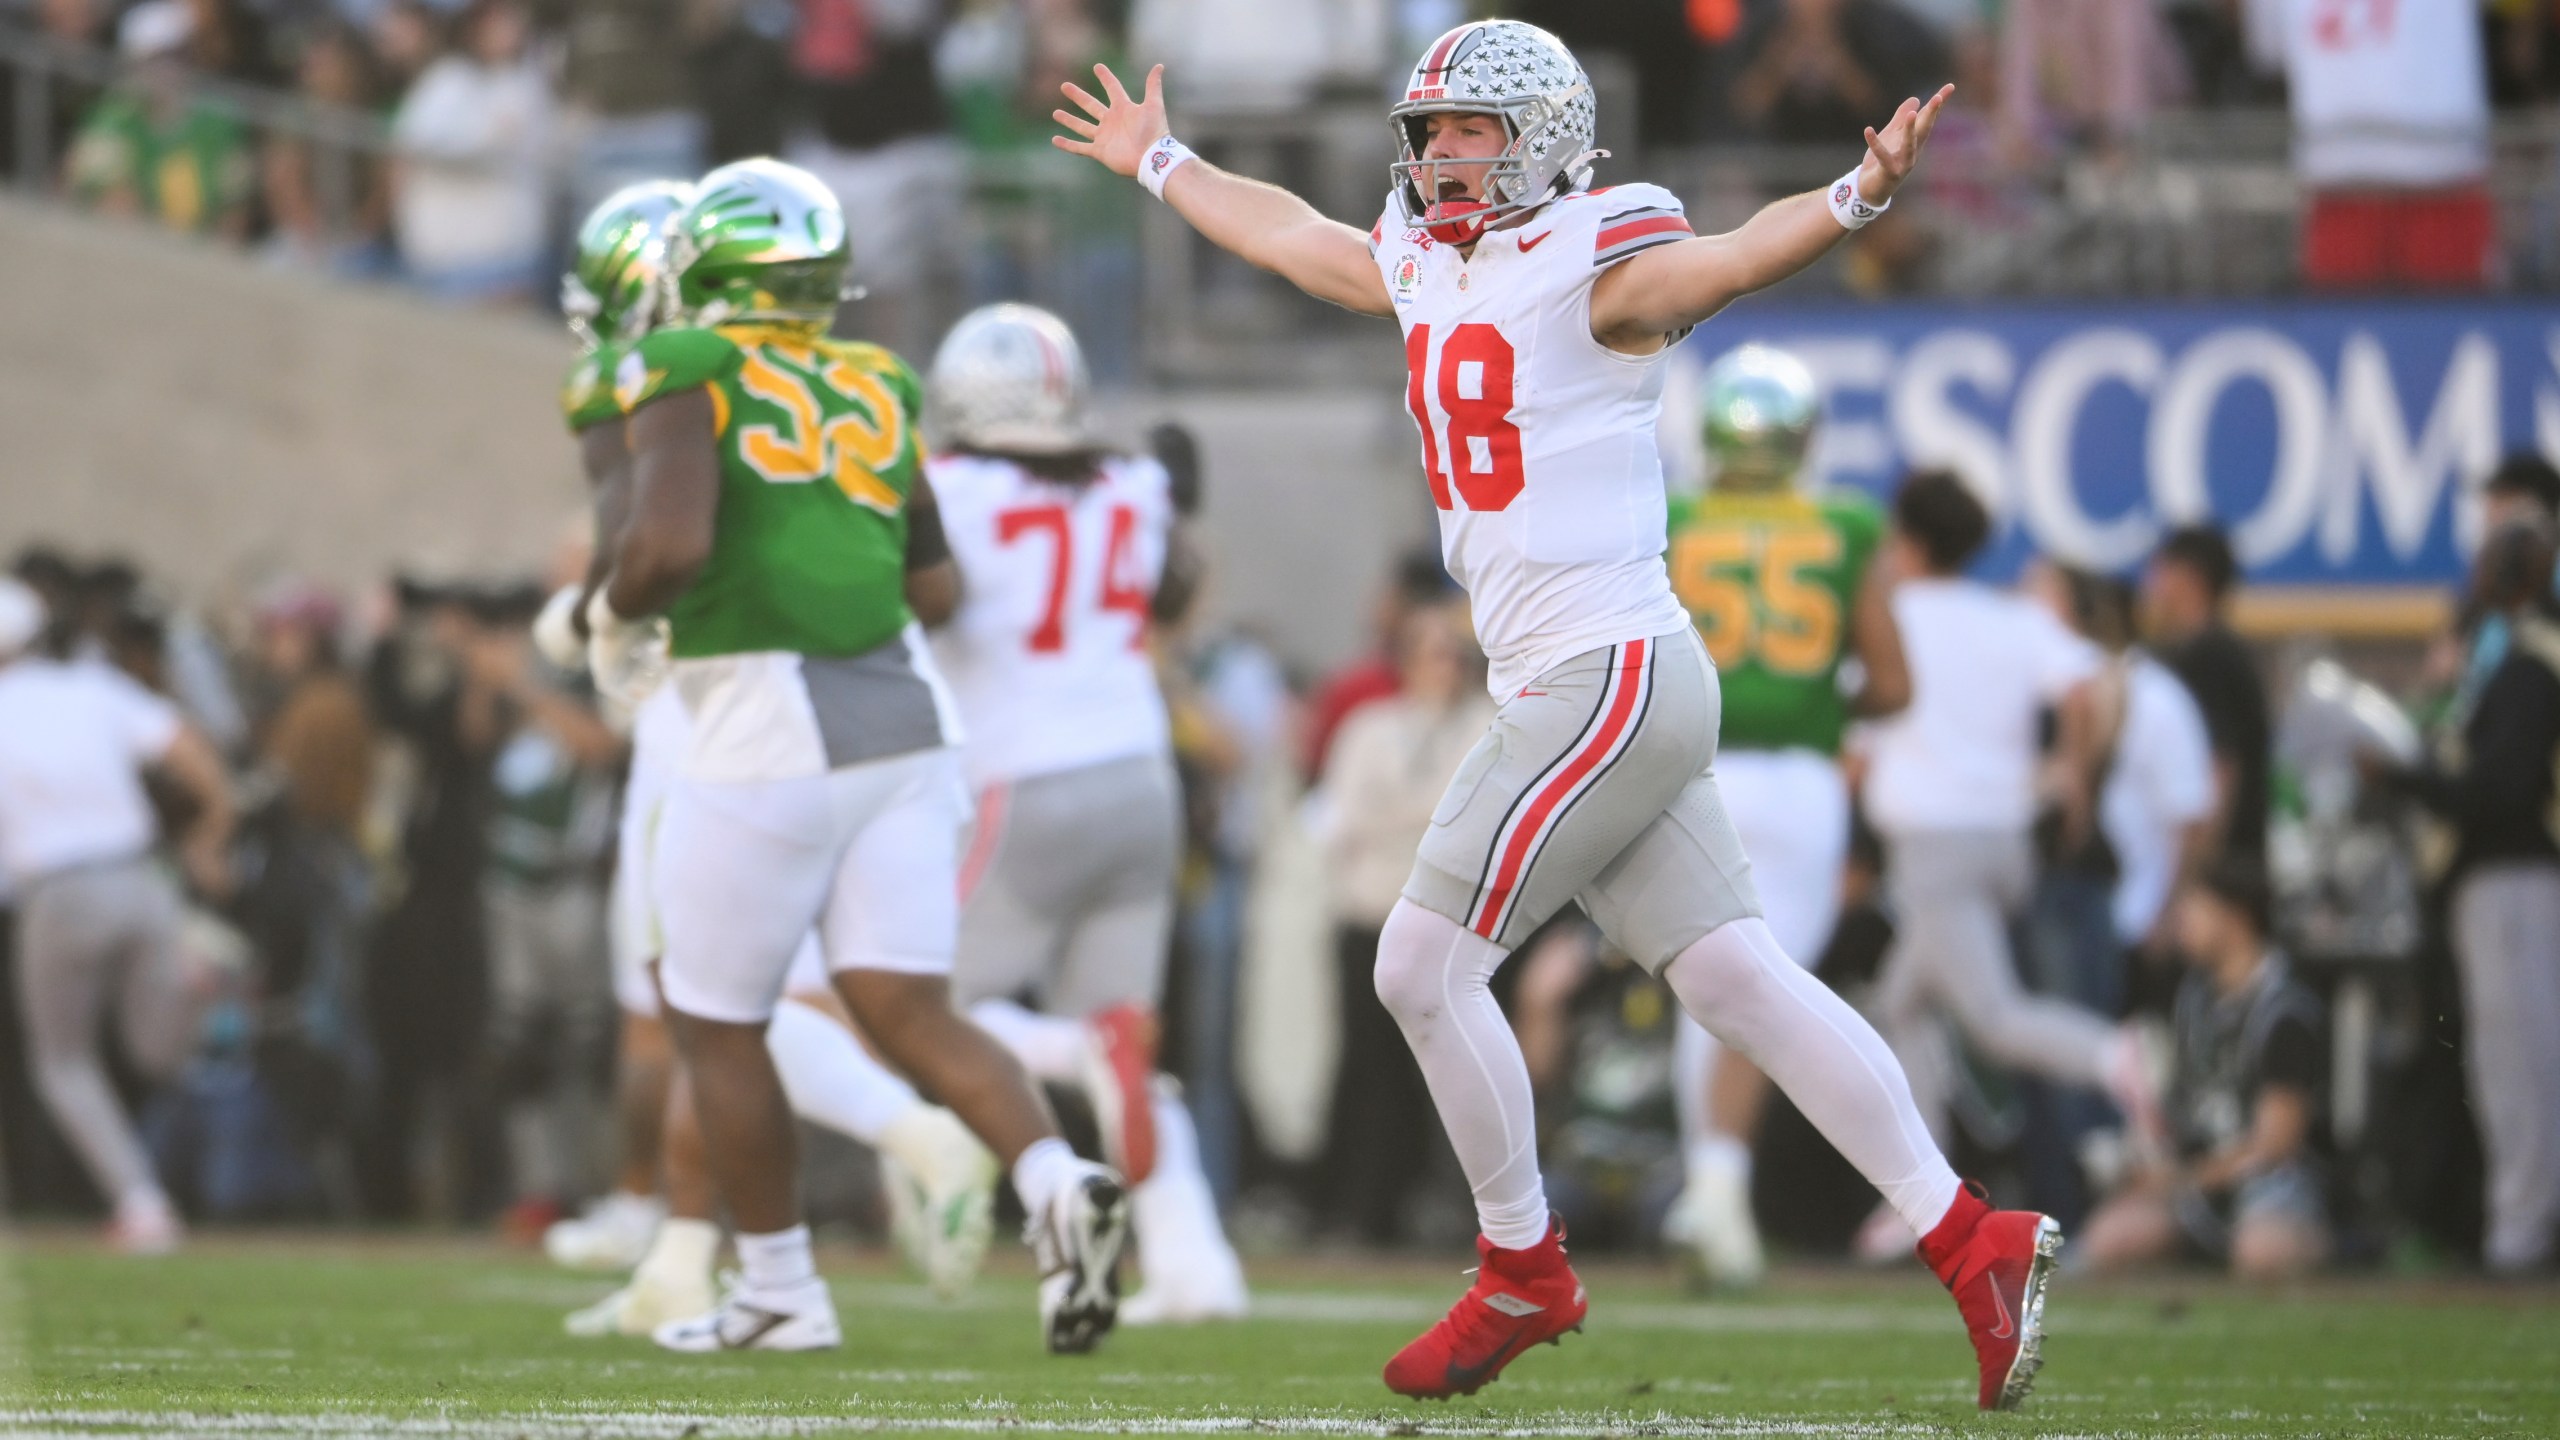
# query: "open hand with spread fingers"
{"type": "Point", "coordinates": [1116, 130]}
{"type": "Point", "coordinates": [1895, 151]}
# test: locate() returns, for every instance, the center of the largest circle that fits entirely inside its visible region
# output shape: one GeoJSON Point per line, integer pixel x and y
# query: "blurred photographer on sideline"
{"type": "Point", "coordinates": [2246, 1187]}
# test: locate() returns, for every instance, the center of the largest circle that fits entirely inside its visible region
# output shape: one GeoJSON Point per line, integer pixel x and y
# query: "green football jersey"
{"type": "Point", "coordinates": [818, 453]}
{"type": "Point", "coordinates": [586, 397]}
{"type": "Point", "coordinates": [1772, 580]}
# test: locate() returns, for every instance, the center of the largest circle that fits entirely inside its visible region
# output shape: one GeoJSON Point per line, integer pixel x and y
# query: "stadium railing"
{"type": "Point", "coordinates": [2202, 204]}
{"type": "Point", "coordinates": [42, 67]}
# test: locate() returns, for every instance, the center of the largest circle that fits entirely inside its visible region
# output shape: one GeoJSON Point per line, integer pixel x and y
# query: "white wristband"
{"type": "Point", "coordinates": [1849, 207]}
{"type": "Point", "coordinates": [1161, 160]}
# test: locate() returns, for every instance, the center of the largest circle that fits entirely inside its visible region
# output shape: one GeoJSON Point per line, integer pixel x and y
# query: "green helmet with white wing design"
{"type": "Point", "coordinates": [761, 241]}
{"type": "Point", "coordinates": [613, 291]}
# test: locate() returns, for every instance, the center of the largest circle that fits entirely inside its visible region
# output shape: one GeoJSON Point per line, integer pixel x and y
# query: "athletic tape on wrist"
{"type": "Point", "coordinates": [1162, 159]}
{"type": "Point", "coordinates": [1849, 207]}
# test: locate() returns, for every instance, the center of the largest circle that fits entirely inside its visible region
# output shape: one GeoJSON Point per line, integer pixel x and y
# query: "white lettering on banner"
{"type": "Point", "coordinates": [1934, 430]}
{"type": "Point", "coordinates": [2182, 419]}
{"type": "Point", "coordinates": [2342, 427]}
{"type": "Point", "coordinates": [2370, 441]}
{"type": "Point", "coordinates": [1843, 448]}
{"type": "Point", "coordinates": [2546, 406]}
{"type": "Point", "coordinates": [2040, 432]}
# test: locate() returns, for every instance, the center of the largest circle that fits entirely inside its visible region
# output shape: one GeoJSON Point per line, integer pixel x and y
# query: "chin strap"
{"type": "Point", "coordinates": [1576, 174]}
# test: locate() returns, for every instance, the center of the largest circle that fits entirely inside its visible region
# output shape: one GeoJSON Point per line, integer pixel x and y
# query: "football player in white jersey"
{"type": "Point", "coordinates": [1536, 311]}
{"type": "Point", "coordinates": [1068, 556]}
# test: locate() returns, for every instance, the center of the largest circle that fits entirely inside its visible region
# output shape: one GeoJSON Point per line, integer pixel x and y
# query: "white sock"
{"type": "Point", "coordinates": [1177, 1214]}
{"type": "Point", "coordinates": [777, 1261]}
{"type": "Point", "coordinates": [1041, 1171]}
{"type": "Point", "coordinates": [682, 1249]}
{"type": "Point", "coordinates": [1823, 1055]}
{"type": "Point", "coordinates": [1720, 1155]}
{"type": "Point", "coordinates": [830, 1079]}
{"type": "Point", "coordinates": [1052, 1049]}
{"type": "Point", "coordinates": [1432, 976]}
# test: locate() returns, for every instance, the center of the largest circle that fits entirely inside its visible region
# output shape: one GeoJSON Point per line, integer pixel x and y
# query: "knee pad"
{"type": "Point", "coordinates": [1418, 950]}
{"type": "Point", "coordinates": [1405, 977]}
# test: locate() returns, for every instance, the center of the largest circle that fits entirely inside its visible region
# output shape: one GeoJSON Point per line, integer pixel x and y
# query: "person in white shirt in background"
{"type": "Point", "coordinates": [1952, 786]}
{"type": "Point", "coordinates": [470, 200]}
{"type": "Point", "coordinates": [2103, 904]}
{"type": "Point", "coordinates": [98, 918]}
{"type": "Point", "coordinates": [2153, 765]}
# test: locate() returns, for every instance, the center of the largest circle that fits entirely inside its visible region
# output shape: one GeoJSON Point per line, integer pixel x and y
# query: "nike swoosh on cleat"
{"type": "Point", "coordinates": [1466, 1379]}
{"type": "Point", "coordinates": [767, 1320]}
{"type": "Point", "coordinates": [2008, 1326]}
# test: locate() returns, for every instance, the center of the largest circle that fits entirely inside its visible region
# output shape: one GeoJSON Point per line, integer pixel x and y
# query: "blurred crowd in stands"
{"type": "Point", "coordinates": [2345, 945]}
{"type": "Point", "coordinates": [506, 119]}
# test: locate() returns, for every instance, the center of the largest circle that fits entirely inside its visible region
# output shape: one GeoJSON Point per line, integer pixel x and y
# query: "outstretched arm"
{"type": "Point", "coordinates": [1669, 288]}
{"type": "Point", "coordinates": [1263, 224]}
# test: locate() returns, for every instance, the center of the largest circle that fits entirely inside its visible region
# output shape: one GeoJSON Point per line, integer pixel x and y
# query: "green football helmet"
{"type": "Point", "coordinates": [614, 290]}
{"type": "Point", "coordinates": [761, 241]}
{"type": "Point", "coordinates": [1761, 409]}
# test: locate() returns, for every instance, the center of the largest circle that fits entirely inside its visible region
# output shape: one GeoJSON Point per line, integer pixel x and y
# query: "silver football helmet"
{"type": "Point", "coordinates": [1760, 409]}
{"type": "Point", "coordinates": [1524, 75]}
{"type": "Point", "coordinates": [1010, 379]}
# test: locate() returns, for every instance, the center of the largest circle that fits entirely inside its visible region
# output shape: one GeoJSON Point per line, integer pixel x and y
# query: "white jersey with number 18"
{"type": "Point", "coordinates": [1537, 439]}
{"type": "Point", "coordinates": [1048, 654]}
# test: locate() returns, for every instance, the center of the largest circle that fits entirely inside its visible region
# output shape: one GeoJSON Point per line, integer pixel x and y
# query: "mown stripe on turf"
{"type": "Point", "coordinates": [656, 1425]}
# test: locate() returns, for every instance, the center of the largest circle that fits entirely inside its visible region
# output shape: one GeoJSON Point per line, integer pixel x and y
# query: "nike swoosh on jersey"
{"type": "Point", "coordinates": [1527, 244]}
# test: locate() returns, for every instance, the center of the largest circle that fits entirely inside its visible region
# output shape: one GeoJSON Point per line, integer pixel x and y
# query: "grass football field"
{"type": "Point", "coordinates": [342, 1336]}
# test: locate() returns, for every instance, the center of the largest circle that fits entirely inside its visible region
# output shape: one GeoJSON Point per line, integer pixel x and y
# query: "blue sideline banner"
{"type": "Point", "coordinates": [2339, 443]}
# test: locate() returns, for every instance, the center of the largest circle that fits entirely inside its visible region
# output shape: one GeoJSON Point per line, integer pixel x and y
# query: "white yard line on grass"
{"type": "Point", "coordinates": [576, 1423]}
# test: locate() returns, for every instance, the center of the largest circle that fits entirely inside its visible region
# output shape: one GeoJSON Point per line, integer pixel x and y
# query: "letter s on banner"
{"type": "Point", "coordinates": [1934, 430]}
{"type": "Point", "coordinates": [2040, 430]}
{"type": "Point", "coordinates": [2182, 418]}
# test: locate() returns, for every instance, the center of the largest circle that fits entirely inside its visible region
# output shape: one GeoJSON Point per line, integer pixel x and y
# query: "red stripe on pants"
{"type": "Point", "coordinates": [1515, 856]}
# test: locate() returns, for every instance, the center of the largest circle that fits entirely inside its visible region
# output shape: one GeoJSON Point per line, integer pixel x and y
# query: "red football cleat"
{"type": "Point", "coordinates": [1997, 1264]}
{"type": "Point", "coordinates": [1520, 1297]}
{"type": "Point", "coordinates": [1119, 1075]}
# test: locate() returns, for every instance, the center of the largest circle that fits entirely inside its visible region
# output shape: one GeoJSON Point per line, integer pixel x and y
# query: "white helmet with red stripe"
{"type": "Point", "coordinates": [1010, 379]}
{"type": "Point", "coordinates": [1520, 73]}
